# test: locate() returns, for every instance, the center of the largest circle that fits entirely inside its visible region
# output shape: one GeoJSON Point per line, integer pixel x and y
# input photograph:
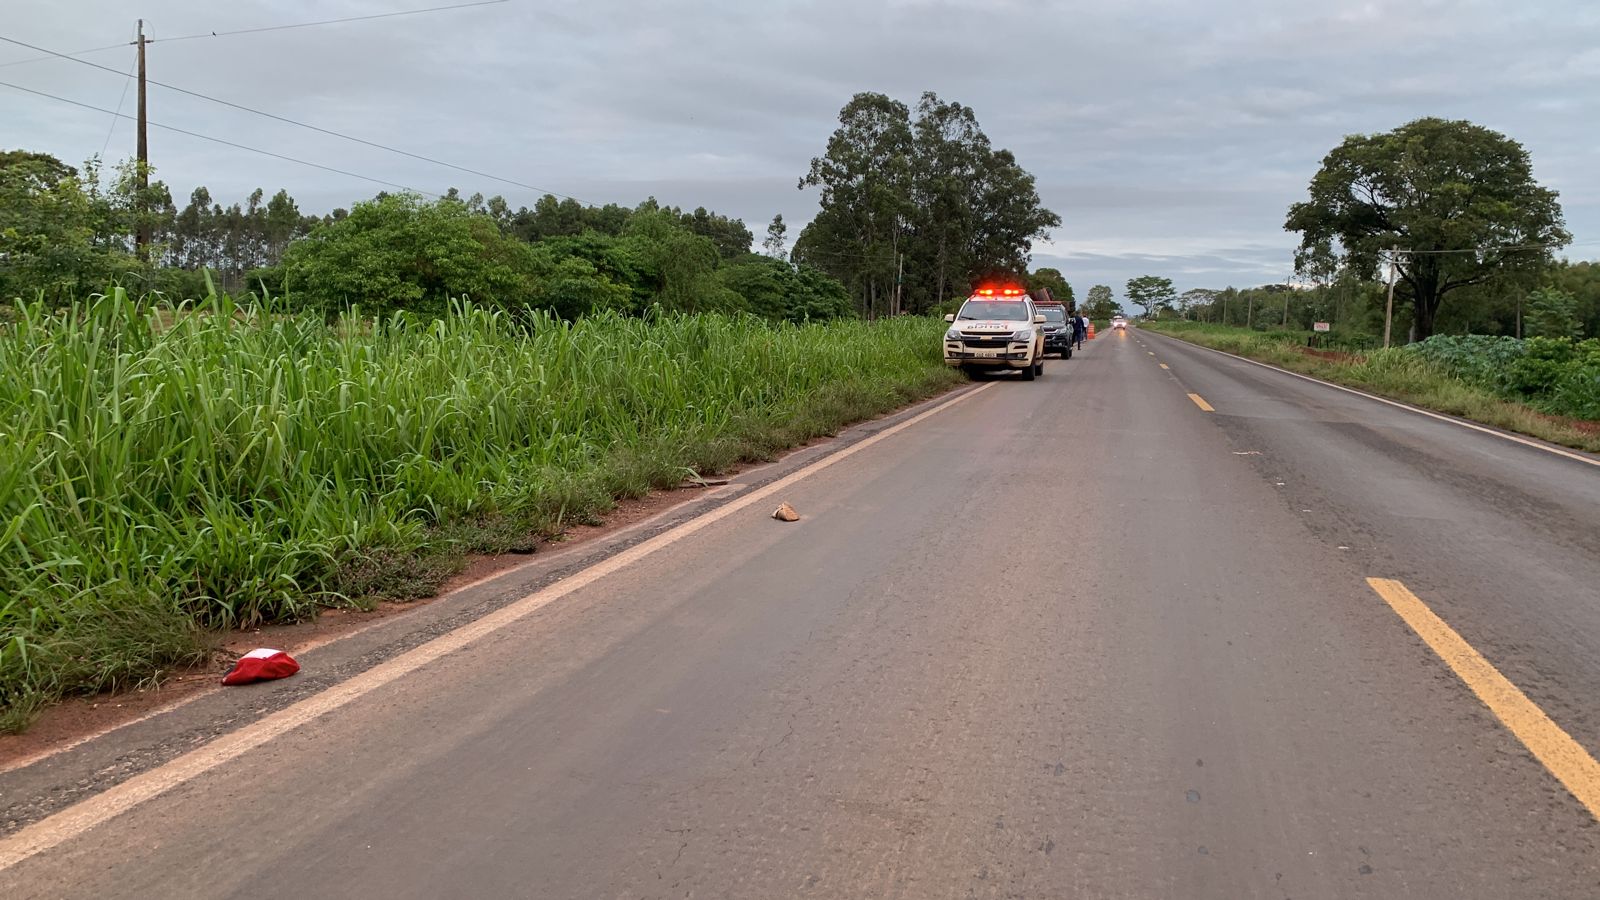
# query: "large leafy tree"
{"type": "Point", "coordinates": [1457, 199]}
{"type": "Point", "coordinates": [1055, 281]}
{"type": "Point", "coordinates": [948, 152]}
{"type": "Point", "coordinates": [865, 177]}
{"type": "Point", "coordinates": [776, 290]}
{"type": "Point", "coordinates": [917, 210]}
{"type": "Point", "coordinates": [1196, 300]}
{"type": "Point", "coordinates": [1011, 217]}
{"type": "Point", "coordinates": [1151, 293]}
{"type": "Point", "coordinates": [400, 252]}
{"type": "Point", "coordinates": [1099, 303]}
{"type": "Point", "coordinates": [47, 228]}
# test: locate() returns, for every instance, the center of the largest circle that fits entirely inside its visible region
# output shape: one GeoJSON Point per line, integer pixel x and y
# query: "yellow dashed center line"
{"type": "Point", "coordinates": [1564, 757]}
{"type": "Point", "coordinates": [1200, 402]}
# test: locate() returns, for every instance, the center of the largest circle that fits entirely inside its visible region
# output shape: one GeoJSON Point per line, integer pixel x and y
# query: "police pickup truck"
{"type": "Point", "coordinates": [999, 329]}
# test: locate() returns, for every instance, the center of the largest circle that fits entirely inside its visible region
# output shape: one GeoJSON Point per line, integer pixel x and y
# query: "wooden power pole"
{"type": "Point", "coordinates": [1388, 313]}
{"type": "Point", "coordinates": [141, 237]}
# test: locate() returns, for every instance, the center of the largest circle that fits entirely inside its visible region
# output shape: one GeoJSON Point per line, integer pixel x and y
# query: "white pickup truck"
{"type": "Point", "coordinates": [997, 328]}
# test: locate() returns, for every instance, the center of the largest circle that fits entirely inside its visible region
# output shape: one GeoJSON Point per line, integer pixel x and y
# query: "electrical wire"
{"type": "Point", "coordinates": [190, 37]}
{"type": "Point", "coordinates": [134, 64]}
{"type": "Point", "coordinates": [77, 53]}
{"type": "Point", "coordinates": [216, 140]}
{"type": "Point", "coordinates": [305, 125]}
{"type": "Point", "coordinates": [388, 15]}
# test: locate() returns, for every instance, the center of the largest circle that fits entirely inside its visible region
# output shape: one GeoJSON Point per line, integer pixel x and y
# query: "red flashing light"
{"type": "Point", "coordinates": [1003, 292]}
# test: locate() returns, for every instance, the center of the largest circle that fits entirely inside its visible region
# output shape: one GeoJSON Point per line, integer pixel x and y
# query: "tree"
{"type": "Point", "coordinates": [1011, 216]}
{"type": "Point", "coordinates": [775, 241]}
{"type": "Point", "coordinates": [685, 262]}
{"type": "Point", "coordinates": [1458, 199]}
{"type": "Point", "coordinates": [1151, 293]}
{"type": "Point", "coordinates": [948, 150]}
{"type": "Point", "coordinates": [775, 290]}
{"type": "Point", "coordinates": [400, 252]}
{"type": "Point", "coordinates": [865, 177]}
{"type": "Point", "coordinates": [914, 211]}
{"type": "Point", "coordinates": [1099, 304]}
{"type": "Point", "coordinates": [1055, 281]}
{"type": "Point", "coordinates": [47, 229]}
{"type": "Point", "coordinates": [1553, 313]}
{"type": "Point", "coordinates": [1196, 299]}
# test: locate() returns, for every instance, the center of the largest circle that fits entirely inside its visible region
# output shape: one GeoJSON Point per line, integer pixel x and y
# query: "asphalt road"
{"type": "Point", "coordinates": [1070, 638]}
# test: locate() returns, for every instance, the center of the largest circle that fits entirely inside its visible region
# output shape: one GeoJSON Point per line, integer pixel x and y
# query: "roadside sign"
{"type": "Point", "coordinates": [1321, 326]}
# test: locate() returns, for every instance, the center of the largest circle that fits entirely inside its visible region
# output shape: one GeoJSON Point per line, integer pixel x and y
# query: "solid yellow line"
{"type": "Point", "coordinates": [1164, 366]}
{"type": "Point", "coordinates": [1200, 402]}
{"type": "Point", "coordinates": [1564, 757]}
{"type": "Point", "coordinates": [102, 807]}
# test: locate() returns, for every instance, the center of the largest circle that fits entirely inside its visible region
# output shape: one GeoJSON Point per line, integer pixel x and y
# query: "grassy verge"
{"type": "Point", "coordinates": [1393, 373]}
{"type": "Point", "coordinates": [167, 473]}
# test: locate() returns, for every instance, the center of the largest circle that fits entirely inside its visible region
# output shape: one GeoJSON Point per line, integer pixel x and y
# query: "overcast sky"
{"type": "Point", "coordinates": [1170, 136]}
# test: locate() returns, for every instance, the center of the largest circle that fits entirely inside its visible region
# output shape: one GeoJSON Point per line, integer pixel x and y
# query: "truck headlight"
{"type": "Point", "coordinates": [1024, 336]}
{"type": "Point", "coordinates": [952, 335]}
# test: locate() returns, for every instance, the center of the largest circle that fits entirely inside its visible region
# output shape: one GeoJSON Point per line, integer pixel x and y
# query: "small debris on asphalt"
{"type": "Point", "coordinates": [786, 513]}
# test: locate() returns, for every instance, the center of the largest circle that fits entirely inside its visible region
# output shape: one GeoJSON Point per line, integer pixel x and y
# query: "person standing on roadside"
{"type": "Point", "coordinates": [1080, 329]}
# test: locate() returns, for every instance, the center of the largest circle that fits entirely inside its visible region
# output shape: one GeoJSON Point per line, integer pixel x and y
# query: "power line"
{"type": "Point", "coordinates": [215, 140]}
{"type": "Point", "coordinates": [120, 100]}
{"type": "Point", "coordinates": [388, 15]}
{"type": "Point", "coordinates": [190, 37]}
{"type": "Point", "coordinates": [305, 125]}
{"type": "Point", "coordinates": [75, 53]}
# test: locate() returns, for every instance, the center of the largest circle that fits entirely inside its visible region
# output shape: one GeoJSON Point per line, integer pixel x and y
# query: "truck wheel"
{"type": "Point", "coordinates": [1038, 365]}
{"type": "Point", "coordinates": [1067, 353]}
{"type": "Point", "coordinates": [1031, 372]}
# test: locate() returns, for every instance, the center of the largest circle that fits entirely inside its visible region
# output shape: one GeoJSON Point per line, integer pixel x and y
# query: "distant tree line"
{"type": "Point", "coordinates": [1476, 236]}
{"type": "Point", "coordinates": [913, 213]}
{"type": "Point", "coordinates": [67, 232]}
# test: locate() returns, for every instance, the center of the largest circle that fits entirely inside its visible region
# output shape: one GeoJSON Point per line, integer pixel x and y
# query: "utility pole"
{"type": "Point", "coordinates": [1388, 314]}
{"type": "Point", "coordinates": [899, 280]}
{"type": "Point", "coordinates": [141, 237]}
{"type": "Point", "coordinates": [1288, 287]}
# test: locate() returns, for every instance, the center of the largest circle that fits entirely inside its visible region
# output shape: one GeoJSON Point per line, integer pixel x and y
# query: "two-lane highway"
{"type": "Point", "coordinates": [1089, 636]}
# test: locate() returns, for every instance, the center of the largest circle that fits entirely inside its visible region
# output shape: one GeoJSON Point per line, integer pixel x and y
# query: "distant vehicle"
{"type": "Point", "coordinates": [1119, 322]}
{"type": "Point", "coordinates": [997, 328]}
{"type": "Point", "coordinates": [1057, 330]}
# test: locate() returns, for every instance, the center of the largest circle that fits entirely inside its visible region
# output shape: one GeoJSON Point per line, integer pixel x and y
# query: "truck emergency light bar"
{"type": "Point", "coordinates": [999, 292]}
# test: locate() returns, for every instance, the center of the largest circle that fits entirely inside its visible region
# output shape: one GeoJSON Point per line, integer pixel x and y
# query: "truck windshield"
{"type": "Point", "coordinates": [1051, 314]}
{"type": "Point", "coordinates": [1006, 310]}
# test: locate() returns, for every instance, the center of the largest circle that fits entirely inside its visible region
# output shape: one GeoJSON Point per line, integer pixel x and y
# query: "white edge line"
{"type": "Point", "coordinates": [549, 559]}
{"type": "Point", "coordinates": [80, 817]}
{"type": "Point", "coordinates": [1527, 442]}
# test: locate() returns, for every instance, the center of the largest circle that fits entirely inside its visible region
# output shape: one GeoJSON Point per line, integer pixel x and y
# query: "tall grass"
{"type": "Point", "coordinates": [165, 471]}
{"type": "Point", "coordinates": [1402, 373]}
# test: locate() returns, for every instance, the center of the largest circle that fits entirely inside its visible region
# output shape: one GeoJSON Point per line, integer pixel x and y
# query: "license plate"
{"type": "Point", "coordinates": [987, 352]}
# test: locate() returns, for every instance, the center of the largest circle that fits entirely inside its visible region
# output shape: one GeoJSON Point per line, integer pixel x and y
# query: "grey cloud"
{"type": "Point", "coordinates": [1170, 136]}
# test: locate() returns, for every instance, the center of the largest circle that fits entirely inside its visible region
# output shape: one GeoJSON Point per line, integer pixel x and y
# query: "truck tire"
{"type": "Point", "coordinates": [1038, 365]}
{"type": "Point", "coordinates": [1067, 353]}
{"type": "Point", "coordinates": [1031, 372]}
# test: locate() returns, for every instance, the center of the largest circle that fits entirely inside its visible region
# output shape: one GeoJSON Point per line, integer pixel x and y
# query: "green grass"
{"type": "Point", "coordinates": [164, 472]}
{"type": "Point", "coordinates": [1396, 373]}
